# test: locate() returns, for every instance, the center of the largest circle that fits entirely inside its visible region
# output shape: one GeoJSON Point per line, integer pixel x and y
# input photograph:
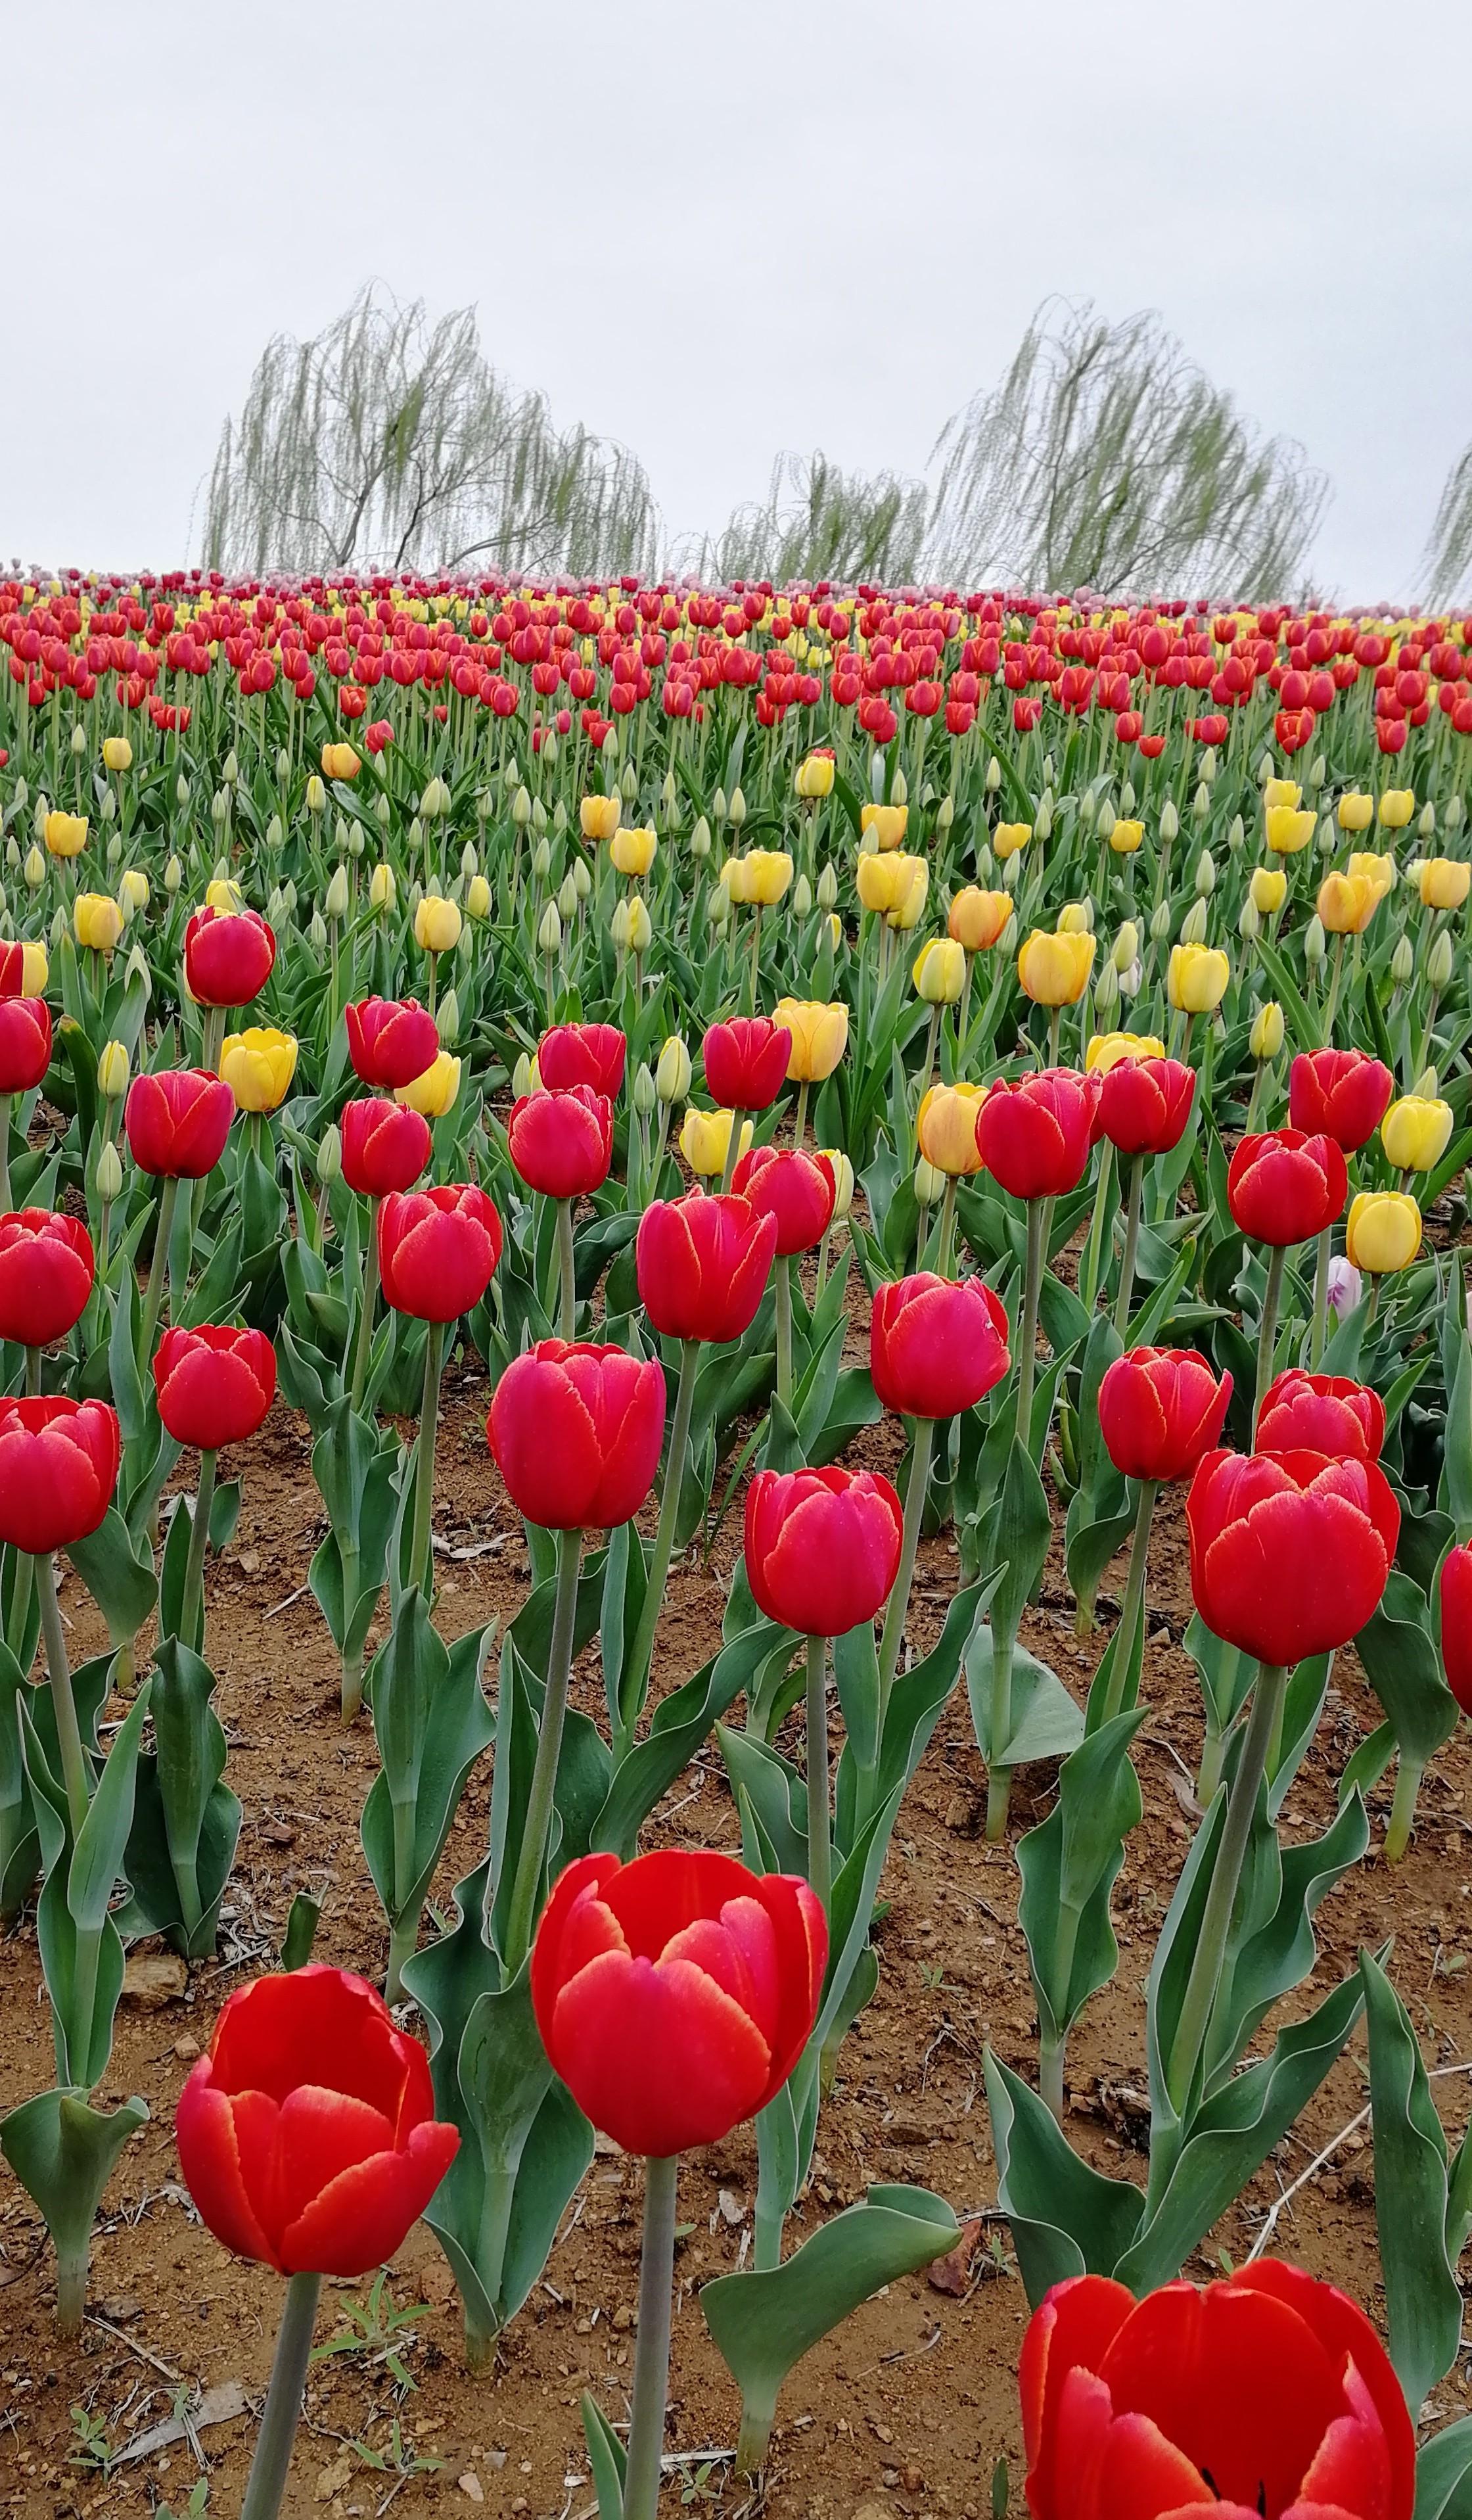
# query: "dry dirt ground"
{"type": "Point", "coordinates": [907, 2408]}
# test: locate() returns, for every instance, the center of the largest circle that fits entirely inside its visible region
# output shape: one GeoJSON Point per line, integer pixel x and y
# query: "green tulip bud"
{"type": "Point", "coordinates": [522, 808]}
{"type": "Point", "coordinates": [1106, 992]}
{"type": "Point", "coordinates": [1126, 945]}
{"type": "Point", "coordinates": [1401, 962]}
{"type": "Point", "coordinates": [1315, 948]}
{"type": "Point", "coordinates": [1438, 961]}
{"type": "Point", "coordinates": [827, 886]}
{"type": "Point", "coordinates": [110, 1174]}
{"type": "Point", "coordinates": [550, 930]}
{"type": "Point", "coordinates": [644, 1096]}
{"type": "Point", "coordinates": [1170, 822]}
{"type": "Point", "coordinates": [173, 876]}
{"type": "Point", "coordinates": [329, 1157]}
{"type": "Point", "coordinates": [928, 1182]}
{"type": "Point", "coordinates": [567, 899]}
{"type": "Point", "coordinates": [582, 880]}
{"type": "Point", "coordinates": [335, 900]}
{"type": "Point", "coordinates": [1206, 875]}
{"type": "Point", "coordinates": [229, 770]}
{"type": "Point", "coordinates": [1193, 924]}
{"type": "Point", "coordinates": [672, 1076]}
{"type": "Point", "coordinates": [1250, 921]}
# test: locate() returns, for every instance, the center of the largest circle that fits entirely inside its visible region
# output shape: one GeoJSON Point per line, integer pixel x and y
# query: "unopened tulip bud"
{"type": "Point", "coordinates": [869, 841]}
{"type": "Point", "coordinates": [669, 793]}
{"type": "Point", "coordinates": [1249, 922]}
{"type": "Point", "coordinates": [1170, 822]}
{"type": "Point", "coordinates": [541, 860]}
{"type": "Point", "coordinates": [522, 808]}
{"type": "Point", "coordinates": [1193, 924]}
{"type": "Point", "coordinates": [843, 1183]}
{"type": "Point", "coordinates": [567, 899]}
{"type": "Point", "coordinates": [629, 784]}
{"type": "Point", "coordinates": [993, 776]}
{"type": "Point", "coordinates": [335, 900]}
{"type": "Point", "coordinates": [1206, 875]}
{"type": "Point", "coordinates": [22, 795]}
{"type": "Point", "coordinates": [289, 896]}
{"type": "Point", "coordinates": [1236, 832]}
{"type": "Point", "coordinates": [538, 816]}
{"type": "Point", "coordinates": [802, 897]}
{"type": "Point", "coordinates": [436, 801]}
{"type": "Point", "coordinates": [35, 968]}
{"type": "Point", "coordinates": [229, 770]}
{"type": "Point", "coordinates": [109, 1174]}
{"type": "Point", "coordinates": [12, 853]}
{"type": "Point", "coordinates": [447, 1018]}
{"type": "Point", "coordinates": [1201, 801]}
{"type": "Point", "coordinates": [1104, 819]}
{"type": "Point", "coordinates": [718, 804]}
{"type": "Point", "coordinates": [316, 930]}
{"type": "Point", "coordinates": [928, 1182]}
{"type": "Point", "coordinates": [1086, 816]}
{"type": "Point", "coordinates": [1426, 824]}
{"type": "Point", "coordinates": [1315, 948]}
{"type": "Point", "coordinates": [106, 805]}
{"type": "Point", "coordinates": [112, 1072]}
{"type": "Point", "coordinates": [641, 927]}
{"type": "Point", "coordinates": [699, 840]}
{"type": "Point", "coordinates": [1106, 991]}
{"type": "Point", "coordinates": [620, 925]}
{"type": "Point", "coordinates": [945, 814]}
{"type": "Point", "coordinates": [1317, 769]}
{"type": "Point", "coordinates": [672, 1076]}
{"type": "Point", "coordinates": [718, 908]}
{"type": "Point", "coordinates": [382, 887]}
{"type": "Point", "coordinates": [1127, 797]}
{"type": "Point", "coordinates": [1266, 1036]}
{"type": "Point", "coordinates": [276, 907]}
{"type": "Point", "coordinates": [560, 821]}
{"type": "Point", "coordinates": [1401, 962]}
{"type": "Point", "coordinates": [173, 876]}
{"type": "Point", "coordinates": [316, 795]}
{"type": "Point", "coordinates": [79, 740]}
{"type": "Point", "coordinates": [644, 1096]}
{"type": "Point", "coordinates": [283, 765]}
{"type": "Point", "coordinates": [1076, 918]}
{"type": "Point", "coordinates": [1126, 945]}
{"type": "Point", "coordinates": [524, 1077]}
{"type": "Point", "coordinates": [36, 868]}
{"type": "Point", "coordinates": [1438, 961]}
{"type": "Point", "coordinates": [1425, 1088]}
{"type": "Point", "coordinates": [511, 773]}
{"type": "Point", "coordinates": [383, 812]}
{"type": "Point", "coordinates": [329, 1157]}
{"type": "Point", "coordinates": [57, 927]}
{"type": "Point", "coordinates": [1457, 814]}
{"type": "Point", "coordinates": [469, 861]}
{"type": "Point", "coordinates": [550, 930]}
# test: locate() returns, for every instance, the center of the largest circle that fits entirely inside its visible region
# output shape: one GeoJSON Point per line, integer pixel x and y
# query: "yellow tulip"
{"type": "Point", "coordinates": [1397, 806]}
{"type": "Point", "coordinates": [843, 1181]}
{"type": "Point", "coordinates": [1379, 872]}
{"type": "Point", "coordinates": [705, 1136]}
{"type": "Point", "coordinates": [906, 912]}
{"type": "Point", "coordinates": [66, 835]}
{"type": "Point", "coordinates": [765, 875]}
{"type": "Point", "coordinates": [35, 969]}
{"type": "Point", "coordinates": [339, 761]}
{"type": "Point", "coordinates": [1197, 978]}
{"type": "Point", "coordinates": [1266, 1036]}
{"type": "Point", "coordinates": [977, 918]}
{"type": "Point", "coordinates": [884, 883]}
{"type": "Point", "coordinates": [1443, 882]}
{"type": "Point", "coordinates": [1283, 791]}
{"type": "Point", "coordinates": [1125, 839]}
{"type": "Point", "coordinates": [133, 889]}
{"type": "Point", "coordinates": [112, 1072]}
{"type": "Point", "coordinates": [98, 921]}
{"type": "Point", "coordinates": [887, 822]}
{"type": "Point", "coordinates": [258, 1066]}
{"type": "Point", "coordinates": [477, 898]}
{"type": "Point", "coordinates": [819, 1037]}
{"type": "Point", "coordinates": [815, 777]}
{"type": "Point", "coordinates": [1288, 831]}
{"type": "Point", "coordinates": [673, 1073]}
{"type": "Point", "coordinates": [436, 924]}
{"type": "Point", "coordinates": [220, 893]}
{"type": "Point", "coordinates": [946, 1128]}
{"type": "Point", "coordinates": [1054, 969]}
{"type": "Point", "coordinates": [1076, 918]}
{"type": "Point", "coordinates": [1416, 1131]}
{"type": "Point", "coordinates": [1346, 904]}
{"type": "Point", "coordinates": [939, 971]}
{"type": "Point", "coordinates": [598, 817]}
{"type": "Point", "coordinates": [1009, 837]}
{"type": "Point", "coordinates": [432, 1093]}
{"type": "Point", "coordinates": [1268, 888]}
{"type": "Point", "coordinates": [382, 887]}
{"type": "Point", "coordinates": [1108, 1050]}
{"type": "Point", "coordinates": [117, 753]}
{"type": "Point", "coordinates": [1357, 812]}
{"type": "Point", "coordinates": [1382, 1232]}
{"type": "Point", "coordinates": [632, 848]}
{"type": "Point", "coordinates": [315, 795]}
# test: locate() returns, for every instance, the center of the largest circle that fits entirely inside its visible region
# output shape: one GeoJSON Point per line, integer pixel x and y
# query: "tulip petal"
{"type": "Point", "coordinates": [360, 2218]}
{"type": "Point", "coordinates": [269, 2040]}
{"type": "Point", "coordinates": [1349, 2339]}
{"type": "Point", "coordinates": [1144, 2474]}
{"type": "Point", "coordinates": [212, 2132]}
{"type": "Point", "coordinates": [658, 1896]}
{"type": "Point", "coordinates": [1192, 2362]}
{"type": "Point", "coordinates": [659, 2056]}
{"type": "Point", "coordinates": [1074, 2327]}
{"type": "Point", "coordinates": [323, 2133]}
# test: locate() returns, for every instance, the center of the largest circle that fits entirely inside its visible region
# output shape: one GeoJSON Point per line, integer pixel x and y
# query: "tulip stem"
{"type": "Point", "coordinates": [1320, 1299]}
{"type": "Point", "coordinates": [1194, 2018]}
{"type": "Point", "coordinates": [157, 1269]}
{"type": "Point", "coordinates": [423, 1463]}
{"type": "Point", "coordinates": [782, 1290]}
{"type": "Point", "coordinates": [1134, 1602]}
{"type": "Point", "coordinates": [634, 1686]}
{"type": "Point", "coordinates": [1403, 1810]}
{"type": "Point", "coordinates": [567, 1294]}
{"type": "Point", "coordinates": [733, 1150]}
{"type": "Point", "coordinates": [1268, 1332]}
{"type": "Point", "coordinates": [800, 1122]}
{"type": "Point", "coordinates": [32, 1374]}
{"type": "Point", "coordinates": [64, 1704]}
{"type": "Point", "coordinates": [652, 2355]}
{"type": "Point", "coordinates": [7, 1202]}
{"type": "Point", "coordinates": [819, 1840]}
{"type": "Point", "coordinates": [1027, 1335]}
{"type": "Point", "coordinates": [899, 1600]}
{"type": "Point", "coordinates": [947, 1230]}
{"type": "Point", "coordinates": [191, 1609]}
{"type": "Point", "coordinates": [369, 1307]}
{"type": "Point", "coordinates": [1124, 1298]}
{"type": "Point", "coordinates": [1094, 1249]}
{"type": "Point", "coordinates": [267, 2481]}
{"type": "Point", "coordinates": [521, 1915]}
{"type": "Point", "coordinates": [753, 974]}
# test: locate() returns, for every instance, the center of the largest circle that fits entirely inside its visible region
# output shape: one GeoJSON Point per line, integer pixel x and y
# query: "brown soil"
{"type": "Point", "coordinates": [909, 2406]}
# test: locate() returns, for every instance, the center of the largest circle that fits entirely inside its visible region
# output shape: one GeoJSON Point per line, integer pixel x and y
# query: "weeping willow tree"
{"type": "Point", "coordinates": [817, 522]}
{"type": "Point", "coordinates": [1106, 458]}
{"type": "Point", "coordinates": [1447, 566]}
{"type": "Point", "coordinates": [388, 443]}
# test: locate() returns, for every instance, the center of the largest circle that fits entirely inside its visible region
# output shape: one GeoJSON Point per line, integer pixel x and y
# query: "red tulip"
{"type": "Point", "coordinates": [795, 1186]}
{"type": "Point", "coordinates": [1339, 1094]}
{"type": "Point", "coordinates": [563, 1142]}
{"type": "Point", "coordinates": [12, 963]}
{"type": "Point", "coordinates": [25, 1042]}
{"type": "Point", "coordinates": [228, 957]}
{"type": "Point", "coordinates": [704, 1265]}
{"type": "Point", "coordinates": [1144, 1104]}
{"type": "Point", "coordinates": [307, 2134]}
{"type": "Point", "coordinates": [384, 1146]}
{"type": "Point", "coordinates": [747, 1062]}
{"type": "Point", "coordinates": [1322, 1412]}
{"type": "Point", "coordinates": [1034, 1135]}
{"type": "Point", "coordinates": [576, 1432]}
{"type": "Point", "coordinates": [391, 1041]}
{"type": "Point", "coordinates": [177, 1121]}
{"type": "Point", "coordinates": [583, 1055]}
{"type": "Point", "coordinates": [437, 1250]}
{"type": "Point", "coordinates": [1160, 1408]}
{"type": "Point", "coordinates": [1456, 1594]}
{"type": "Point", "coordinates": [936, 1345]}
{"type": "Point", "coordinates": [1268, 2394]}
{"type": "Point", "coordinates": [1284, 1186]}
{"type": "Point", "coordinates": [46, 1272]}
{"type": "Point", "coordinates": [822, 1548]}
{"type": "Point", "coordinates": [214, 1385]}
{"type": "Point", "coordinates": [1289, 1550]}
{"type": "Point", "coordinates": [58, 1470]}
{"type": "Point", "coordinates": [675, 1994]}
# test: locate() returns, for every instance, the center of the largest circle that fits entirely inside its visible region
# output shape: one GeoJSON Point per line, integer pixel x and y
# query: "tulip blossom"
{"type": "Point", "coordinates": [795, 1188]}
{"type": "Point", "coordinates": [582, 1054]}
{"type": "Point", "coordinates": [1416, 1132]}
{"type": "Point", "coordinates": [384, 1146]}
{"type": "Point", "coordinates": [47, 1269]}
{"type": "Point", "coordinates": [747, 1062]}
{"type": "Point", "coordinates": [819, 1037]}
{"type": "Point", "coordinates": [1382, 1233]}
{"type": "Point", "coordinates": [1267, 2394]}
{"type": "Point", "coordinates": [561, 1144]}
{"type": "Point", "coordinates": [259, 1065]}
{"type": "Point", "coordinates": [702, 1265]}
{"type": "Point", "coordinates": [215, 1386]}
{"type": "Point", "coordinates": [822, 1548]}
{"type": "Point", "coordinates": [1144, 1104]}
{"type": "Point", "coordinates": [576, 1432]}
{"type": "Point", "coordinates": [1322, 1412]}
{"type": "Point", "coordinates": [25, 1042]}
{"type": "Point", "coordinates": [1455, 1599]}
{"type": "Point", "coordinates": [1339, 1094]}
{"type": "Point", "coordinates": [177, 1121]}
{"type": "Point", "coordinates": [437, 1250]}
{"type": "Point", "coordinates": [390, 1041]}
{"type": "Point", "coordinates": [1035, 1133]}
{"type": "Point", "coordinates": [227, 955]}
{"type": "Point", "coordinates": [58, 1470]}
{"type": "Point", "coordinates": [1289, 1550]}
{"type": "Point", "coordinates": [1160, 1410]}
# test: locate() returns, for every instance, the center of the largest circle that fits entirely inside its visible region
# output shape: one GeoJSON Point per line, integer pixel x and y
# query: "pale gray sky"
{"type": "Point", "coordinates": [718, 230]}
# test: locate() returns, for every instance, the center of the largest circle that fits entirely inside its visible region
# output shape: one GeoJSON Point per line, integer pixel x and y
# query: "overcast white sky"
{"type": "Point", "coordinates": [721, 228]}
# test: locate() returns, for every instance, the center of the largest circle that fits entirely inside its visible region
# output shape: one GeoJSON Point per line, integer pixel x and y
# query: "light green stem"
{"type": "Point", "coordinates": [7, 1200]}
{"type": "Point", "coordinates": [1027, 1335]}
{"type": "Point", "coordinates": [1134, 1601]}
{"type": "Point", "coordinates": [521, 1915]}
{"type": "Point", "coordinates": [910, 1541]}
{"type": "Point", "coordinates": [192, 1611]}
{"type": "Point", "coordinates": [1126, 1294]}
{"type": "Point", "coordinates": [652, 2355]}
{"type": "Point", "coordinates": [567, 1303]}
{"type": "Point", "coordinates": [783, 1288]}
{"type": "Point", "coordinates": [1320, 1299]}
{"type": "Point", "coordinates": [269, 2468]}
{"type": "Point", "coordinates": [638, 1672]}
{"type": "Point", "coordinates": [819, 1835]}
{"type": "Point", "coordinates": [1403, 1810]}
{"type": "Point", "coordinates": [1226, 1874]}
{"type": "Point", "coordinates": [1093, 1249]}
{"type": "Point", "coordinates": [369, 1306]}
{"type": "Point", "coordinates": [423, 1465]}
{"type": "Point", "coordinates": [64, 1704]}
{"type": "Point", "coordinates": [157, 1268]}
{"type": "Point", "coordinates": [1052, 2051]}
{"type": "Point", "coordinates": [1268, 1332]}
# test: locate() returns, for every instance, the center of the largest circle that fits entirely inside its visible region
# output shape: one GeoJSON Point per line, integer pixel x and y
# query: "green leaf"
{"type": "Point", "coordinates": [186, 1821]}
{"type": "Point", "coordinates": [1047, 1721]}
{"type": "Point", "coordinates": [63, 2151]}
{"type": "Point", "coordinates": [1404, 1668]}
{"type": "Point", "coordinates": [608, 2459]}
{"type": "Point", "coordinates": [432, 1720]}
{"type": "Point", "coordinates": [119, 1575]}
{"type": "Point", "coordinates": [1066, 2218]}
{"type": "Point", "coordinates": [681, 1722]}
{"type": "Point", "coordinates": [1443, 2474]}
{"type": "Point", "coordinates": [1422, 2295]}
{"type": "Point", "coordinates": [1016, 1532]}
{"type": "Point", "coordinates": [1069, 1867]}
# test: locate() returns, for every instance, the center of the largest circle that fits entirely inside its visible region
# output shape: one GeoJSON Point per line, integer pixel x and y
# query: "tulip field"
{"type": "Point", "coordinates": [736, 1552]}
